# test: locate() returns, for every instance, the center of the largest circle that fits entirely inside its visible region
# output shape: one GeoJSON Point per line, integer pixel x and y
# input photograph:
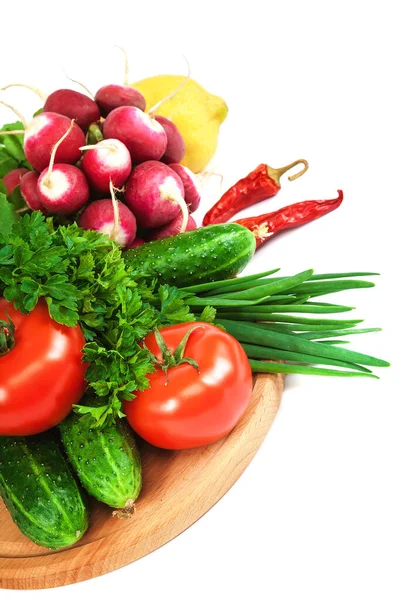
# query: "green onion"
{"type": "Point", "coordinates": [258, 366]}
{"type": "Point", "coordinates": [253, 351]}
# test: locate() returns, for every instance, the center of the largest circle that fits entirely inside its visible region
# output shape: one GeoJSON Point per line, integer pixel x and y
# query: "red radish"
{"type": "Point", "coordinates": [43, 132]}
{"type": "Point", "coordinates": [105, 161]}
{"type": "Point", "coordinates": [172, 228]}
{"type": "Point", "coordinates": [63, 188]}
{"type": "Point", "coordinates": [113, 96]}
{"type": "Point", "coordinates": [190, 184]}
{"type": "Point", "coordinates": [29, 191]}
{"type": "Point", "coordinates": [154, 193]}
{"type": "Point", "coordinates": [144, 137]}
{"type": "Point", "coordinates": [73, 105]}
{"type": "Point", "coordinates": [13, 178]}
{"type": "Point", "coordinates": [111, 217]}
{"type": "Point", "coordinates": [175, 144]}
{"type": "Point", "coordinates": [136, 242]}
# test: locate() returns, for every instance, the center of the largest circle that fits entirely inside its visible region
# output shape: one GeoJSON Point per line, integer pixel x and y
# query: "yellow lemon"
{"type": "Point", "coordinates": [196, 113]}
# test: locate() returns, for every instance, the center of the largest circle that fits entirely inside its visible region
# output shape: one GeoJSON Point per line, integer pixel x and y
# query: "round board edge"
{"type": "Point", "coordinates": [230, 457]}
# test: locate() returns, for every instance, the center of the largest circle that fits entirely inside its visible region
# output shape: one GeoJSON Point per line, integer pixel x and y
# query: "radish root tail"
{"type": "Point", "coordinates": [83, 86]}
{"type": "Point", "coordinates": [185, 212]}
{"type": "Point", "coordinates": [115, 230]}
{"type": "Point", "coordinates": [156, 106]}
{"type": "Point", "coordinates": [100, 146]}
{"type": "Point", "coordinates": [126, 72]}
{"type": "Point", "coordinates": [15, 111]}
{"type": "Point", "coordinates": [54, 151]}
{"type": "Point", "coordinates": [38, 92]}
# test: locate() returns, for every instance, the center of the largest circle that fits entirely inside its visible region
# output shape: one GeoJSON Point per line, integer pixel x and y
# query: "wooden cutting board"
{"type": "Point", "coordinates": [178, 489]}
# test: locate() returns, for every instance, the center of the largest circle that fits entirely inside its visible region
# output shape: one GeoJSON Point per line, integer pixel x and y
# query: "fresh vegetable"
{"type": "Point", "coordinates": [12, 154]}
{"type": "Point", "coordinates": [196, 113]}
{"type": "Point", "coordinates": [260, 184]}
{"type": "Point", "coordinates": [172, 228]}
{"type": "Point", "coordinates": [41, 369]}
{"type": "Point", "coordinates": [255, 310]}
{"type": "Point", "coordinates": [113, 96]}
{"type": "Point", "coordinates": [63, 189]}
{"type": "Point", "coordinates": [43, 132]}
{"type": "Point", "coordinates": [266, 226]}
{"type": "Point", "coordinates": [190, 184]}
{"type": "Point", "coordinates": [74, 105]}
{"type": "Point", "coordinates": [84, 279]}
{"type": "Point", "coordinates": [106, 461]}
{"type": "Point", "coordinates": [13, 178]}
{"type": "Point", "coordinates": [29, 191]}
{"type": "Point", "coordinates": [207, 254]}
{"type": "Point", "coordinates": [119, 224]}
{"type": "Point", "coordinates": [200, 389]}
{"type": "Point", "coordinates": [107, 160]}
{"type": "Point", "coordinates": [40, 492]}
{"type": "Point", "coordinates": [175, 149]}
{"type": "Point", "coordinates": [154, 193]}
{"type": "Point", "coordinates": [144, 137]}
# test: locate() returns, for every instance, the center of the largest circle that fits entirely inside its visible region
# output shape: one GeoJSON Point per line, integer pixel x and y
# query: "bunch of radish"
{"type": "Point", "coordinates": [130, 179]}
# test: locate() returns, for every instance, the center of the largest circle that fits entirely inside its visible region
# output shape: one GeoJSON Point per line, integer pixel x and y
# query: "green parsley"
{"type": "Point", "coordinates": [84, 280]}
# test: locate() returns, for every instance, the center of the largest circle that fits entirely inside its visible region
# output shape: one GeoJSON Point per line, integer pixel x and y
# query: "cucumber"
{"type": "Point", "coordinates": [106, 461]}
{"type": "Point", "coordinates": [206, 254]}
{"type": "Point", "coordinates": [40, 492]}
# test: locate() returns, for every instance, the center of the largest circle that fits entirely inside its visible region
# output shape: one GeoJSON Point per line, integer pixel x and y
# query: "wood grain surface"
{"type": "Point", "coordinates": [179, 488]}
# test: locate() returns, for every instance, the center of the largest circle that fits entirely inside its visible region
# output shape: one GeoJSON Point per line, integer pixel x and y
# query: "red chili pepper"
{"type": "Point", "coordinates": [260, 184]}
{"type": "Point", "coordinates": [266, 226]}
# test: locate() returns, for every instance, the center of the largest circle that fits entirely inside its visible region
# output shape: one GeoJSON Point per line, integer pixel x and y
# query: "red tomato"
{"type": "Point", "coordinates": [195, 407]}
{"type": "Point", "coordinates": [42, 376]}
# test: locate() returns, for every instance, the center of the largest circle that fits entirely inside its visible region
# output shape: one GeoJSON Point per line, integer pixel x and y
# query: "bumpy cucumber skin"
{"type": "Point", "coordinates": [39, 490]}
{"type": "Point", "coordinates": [106, 461]}
{"type": "Point", "coordinates": [207, 254]}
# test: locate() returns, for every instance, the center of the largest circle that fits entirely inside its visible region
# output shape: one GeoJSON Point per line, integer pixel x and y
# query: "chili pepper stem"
{"type": "Point", "coordinates": [276, 174]}
{"type": "Point", "coordinates": [7, 337]}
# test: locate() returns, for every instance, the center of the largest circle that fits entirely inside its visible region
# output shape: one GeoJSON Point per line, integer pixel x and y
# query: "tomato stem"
{"type": "Point", "coordinates": [173, 359]}
{"type": "Point", "coordinates": [7, 339]}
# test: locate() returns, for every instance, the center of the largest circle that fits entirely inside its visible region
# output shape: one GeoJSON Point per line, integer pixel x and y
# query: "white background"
{"type": "Point", "coordinates": [316, 514]}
